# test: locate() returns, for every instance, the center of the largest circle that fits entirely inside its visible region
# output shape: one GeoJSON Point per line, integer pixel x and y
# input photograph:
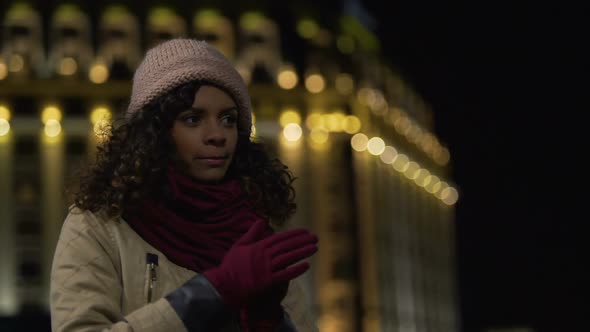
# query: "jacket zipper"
{"type": "Point", "coordinates": [151, 261]}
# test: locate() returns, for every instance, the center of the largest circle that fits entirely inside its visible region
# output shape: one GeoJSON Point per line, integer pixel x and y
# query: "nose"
{"type": "Point", "coordinates": [214, 135]}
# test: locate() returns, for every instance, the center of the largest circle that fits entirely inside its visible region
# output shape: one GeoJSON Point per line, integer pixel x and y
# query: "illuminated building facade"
{"type": "Point", "coordinates": [372, 177]}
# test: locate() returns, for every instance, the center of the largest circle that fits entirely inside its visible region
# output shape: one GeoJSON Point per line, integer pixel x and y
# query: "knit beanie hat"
{"type": "Point", "coordinates": [179, 61]}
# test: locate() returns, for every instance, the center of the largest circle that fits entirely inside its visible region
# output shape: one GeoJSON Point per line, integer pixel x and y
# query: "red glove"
{"type": "Point", "coordinates": [254, 265]}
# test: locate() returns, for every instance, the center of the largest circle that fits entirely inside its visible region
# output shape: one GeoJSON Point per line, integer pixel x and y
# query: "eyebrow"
{"type": "Point", "coordinates": [224, 110]}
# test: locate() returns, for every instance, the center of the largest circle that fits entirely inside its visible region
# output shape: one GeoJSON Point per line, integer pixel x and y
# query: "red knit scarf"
{"type": "Point", "coordinates": [194, 224]}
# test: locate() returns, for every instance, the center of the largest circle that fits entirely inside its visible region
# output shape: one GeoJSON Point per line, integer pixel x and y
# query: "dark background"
{"type": "Point", "coordinates": [505, 80]}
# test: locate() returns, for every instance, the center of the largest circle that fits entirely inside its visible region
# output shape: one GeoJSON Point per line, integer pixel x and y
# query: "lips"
{"type": "Point", "coordinates": [213, 161]}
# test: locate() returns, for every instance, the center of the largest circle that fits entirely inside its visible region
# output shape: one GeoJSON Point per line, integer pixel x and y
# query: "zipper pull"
{"type": "Point", "coordinates": [151, 262]}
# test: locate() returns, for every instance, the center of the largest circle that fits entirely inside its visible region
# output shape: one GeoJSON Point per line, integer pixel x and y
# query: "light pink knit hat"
{"type": "Point", "coordinates": [178, 61]}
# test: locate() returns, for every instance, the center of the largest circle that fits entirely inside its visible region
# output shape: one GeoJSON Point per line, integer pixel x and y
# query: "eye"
{"type": "Point", "coordinates": [229, 120]}
{"type": "Point", "coordinates": [190, 119]}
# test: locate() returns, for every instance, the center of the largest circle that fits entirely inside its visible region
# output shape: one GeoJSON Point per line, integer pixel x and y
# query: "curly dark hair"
{"type": "Point", "coordinates": [133, 157]}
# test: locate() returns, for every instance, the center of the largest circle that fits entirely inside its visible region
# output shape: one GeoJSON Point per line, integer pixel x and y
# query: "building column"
{"type": "Point", "coordinates": [53, 206]}
{"type": "Point", "coordinates": [8, 298]}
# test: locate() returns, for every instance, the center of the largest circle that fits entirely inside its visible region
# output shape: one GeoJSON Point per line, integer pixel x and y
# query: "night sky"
{"type": "Point", "coordinates": [505, 82]}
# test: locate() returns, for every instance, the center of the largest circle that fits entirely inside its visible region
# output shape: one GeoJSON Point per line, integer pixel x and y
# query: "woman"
{"type": "Point", "coordinates": [170, 228]}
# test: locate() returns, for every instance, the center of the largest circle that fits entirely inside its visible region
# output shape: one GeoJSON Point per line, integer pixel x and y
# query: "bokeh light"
{"type": "Point", "coordinates": [351, 124]}
{"type": "Point", "coordinates": [359, 142]}
{"type": "Point", "coordinates": [100, 113]}
{"type": "Point", "coordinates": [51, 113]}
{"type": "Point", "coordinates": [411, 171]}
{"type": "Point", "coordinates": [67, 66]}
{"type": "Point", "coordinates": [52, 128]}
{"type": "Point", "coordinates": [307, 28]}
{"type": "Point", "coordinates": [292, 132]}
{"type": "Point", "coordinates": [287, 79]}
{"type": "Point", "coordinates": [389, 154]}
{"type": "Point", "coordinates": [314, 120]}
{"type": "Point", "coordinates": [289, 116]}
{"type": "Point", "coordinates": [400, 163]}
{"type": "Point", "coordinates": [376, 146]}
{"type": "Point", "coordinates": [4, 127]}
{"type": "Point", "coordinates": [99, 73]}
{"type": "Point", "coordinates": [319, 135]}
{"type": "Point", "coordinates": [334, 121]}
{"type": "Point", "coordinates": [5, 113]}
{"type": "Point", "coordinates": [423, 178]}
{"type": "Point", "coordinates": [315, 83]}
{"type": "Point", "coordinates": [449, 196]}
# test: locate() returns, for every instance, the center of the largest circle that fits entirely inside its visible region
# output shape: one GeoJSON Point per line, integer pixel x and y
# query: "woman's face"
{"type": "Point", "coordinates": [206, 135]}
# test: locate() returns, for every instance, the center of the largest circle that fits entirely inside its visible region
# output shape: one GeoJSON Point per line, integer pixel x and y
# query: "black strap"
{"type": "Point", "coordinates": [199, 305]}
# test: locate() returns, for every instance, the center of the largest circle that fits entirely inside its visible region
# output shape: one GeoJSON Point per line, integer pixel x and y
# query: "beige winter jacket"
{"type": "Point", "coordinates": [99, 281]}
